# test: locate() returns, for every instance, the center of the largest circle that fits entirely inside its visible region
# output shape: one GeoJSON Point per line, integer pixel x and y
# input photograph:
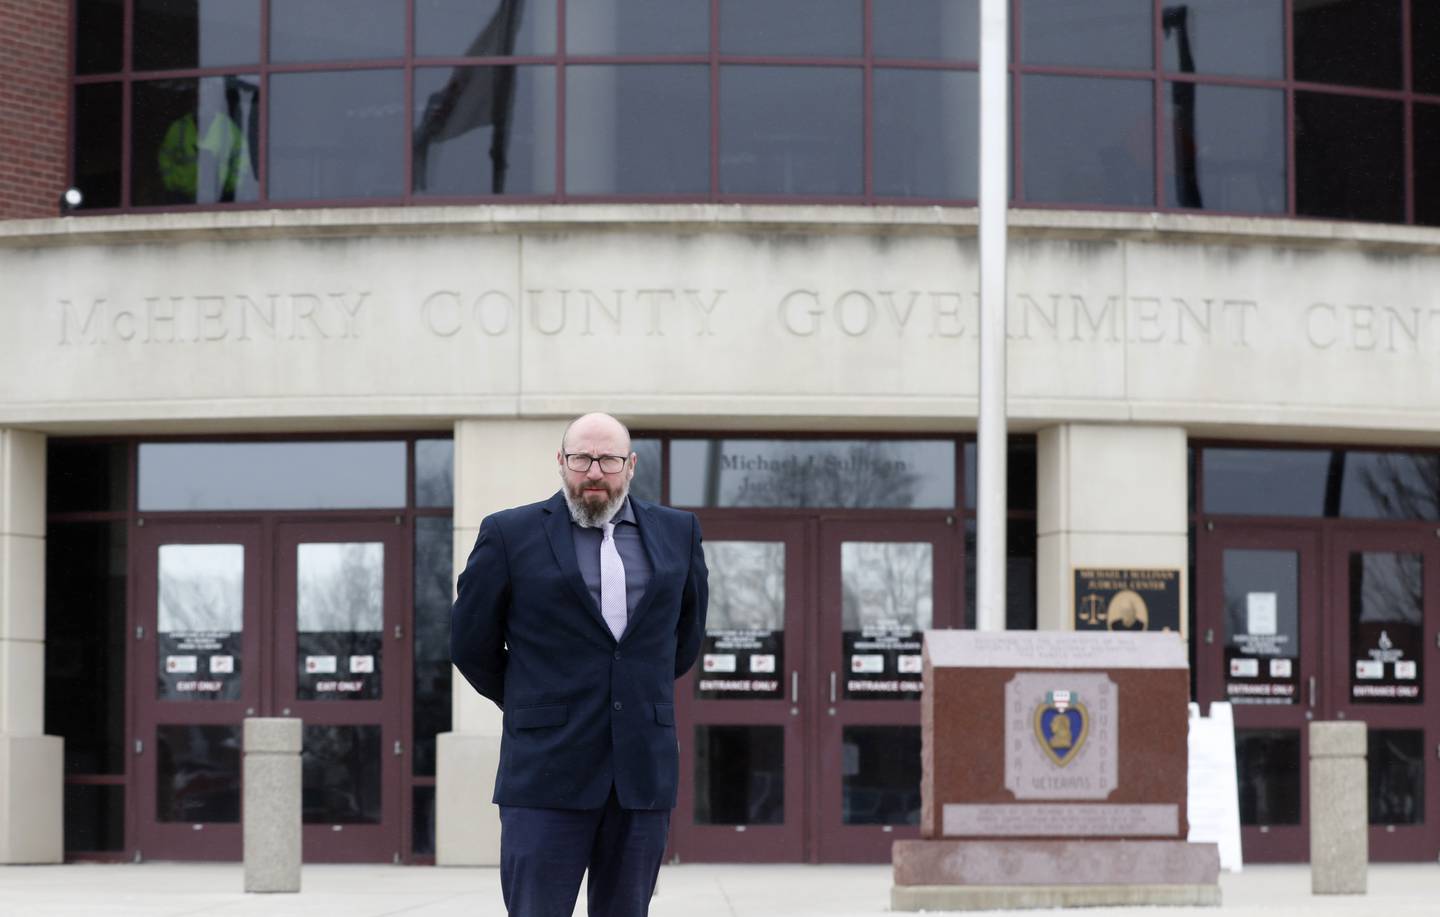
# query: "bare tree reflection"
{"type": "Point", "coordinates": [866, 476]}
{"type": "Point", "coordinates": [1390, 588]}
{"type": "Point", "coordinates": [1397, 485]}
{"type": "Point", "coordinates": [747, 585]}
{"type": "Point", "coordinates": [887, 585]}
{"type": "Point", "coordinates": [201, 588]}
{"type": "Point", "coordinates": [341, 586]}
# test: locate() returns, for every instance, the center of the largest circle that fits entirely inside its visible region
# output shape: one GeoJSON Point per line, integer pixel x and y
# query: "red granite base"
{"type": "Point", "coordinates": [1055, 863]}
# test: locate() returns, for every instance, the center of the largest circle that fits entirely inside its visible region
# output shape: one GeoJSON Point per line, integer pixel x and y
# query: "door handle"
{"type": "Point", "coordinates": [1312, 692]}
{"type": "Point", "coordinates": [832, 687]}
{"type": "Point", "coordinates": [794, 687]}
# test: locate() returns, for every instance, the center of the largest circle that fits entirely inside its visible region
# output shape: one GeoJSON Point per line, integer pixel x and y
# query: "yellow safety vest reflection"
{"type": "Point", "coordinates": [180, 151]}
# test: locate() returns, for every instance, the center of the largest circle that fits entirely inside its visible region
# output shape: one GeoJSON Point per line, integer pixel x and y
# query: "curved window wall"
{"type": "Point", "coordinates": [1325, 108]}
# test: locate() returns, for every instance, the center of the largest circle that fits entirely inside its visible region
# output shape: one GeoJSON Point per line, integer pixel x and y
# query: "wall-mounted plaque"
{"type": "Point", "coordinates": [1115, 598]}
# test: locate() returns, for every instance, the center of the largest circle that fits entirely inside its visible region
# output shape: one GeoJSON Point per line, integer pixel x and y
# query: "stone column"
{"type": "Point", "coordinates": [271, 790]}
{"type": "Point", "coordinates": [1109, 497]}
{"type": "Point", "coordinates": [1339, 809]}
{"type": "Point", "coordinates": [32, 770]}
{"type": "Point", "coordinates": [498, 464]}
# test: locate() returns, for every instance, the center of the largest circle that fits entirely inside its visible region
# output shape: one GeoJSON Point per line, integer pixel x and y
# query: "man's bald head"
{"type": "Point", "coordinates": [596, 426]}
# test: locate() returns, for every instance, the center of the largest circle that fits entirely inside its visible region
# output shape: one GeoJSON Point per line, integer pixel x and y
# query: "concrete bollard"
{"type": "Point", "coordinates": [1339, 809]}
{"type": "Point", "coordinates": [271, 804]}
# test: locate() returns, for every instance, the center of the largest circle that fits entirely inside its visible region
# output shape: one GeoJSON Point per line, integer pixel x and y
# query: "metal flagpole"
{"type": "Point", "coordinates": [994, 201]}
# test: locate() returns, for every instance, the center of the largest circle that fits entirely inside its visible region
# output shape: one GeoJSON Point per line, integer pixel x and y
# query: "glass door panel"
{"type": "Point", "coordinates": [338, 611]}
{"type": "Point", "coordinates": [883, 584]}
{"type": "Point", "coordinates": [739, 710]}
{"type": "Point", "coordinates": [196, 651]}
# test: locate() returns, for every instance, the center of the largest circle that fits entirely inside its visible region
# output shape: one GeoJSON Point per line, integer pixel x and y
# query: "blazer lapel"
{"type": "Point", "coordinates": [650, 539]}
{"type": "Point", "coordinates": [562, 543]}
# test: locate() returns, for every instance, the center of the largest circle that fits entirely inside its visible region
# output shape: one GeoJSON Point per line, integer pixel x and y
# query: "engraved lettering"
{"type": "Point", "coordinates": [1240, 310]}
{"type": "Point", "coordinates": [1410, 331]}
{"type": "Point", "coordinates": [125, 325]}
{"type": "Point", "coordinates": [441, 313]}
{"type": "Point", "coordinates": [707, 311]}
{"type": "Point", "coordinates": [303, 306]}
{"type": "Point", "coordinates": [1362, 327]}
{"type": "Point", "coordinates": [88, 330]}
{"type": "Point", "coordinates": [1109, 313]}
{"type": "Point", "coordinates": [1029, 306]}
{"type": "Point", "coordinates": [156, 317]}
{"type": "Point", "coordinates": [945, 314]}
{"type": "Point", "coordinates": [536, 303]}
{"type": "Point", "coordinates": [593, 303]}
{"type": "Point", "coordinates": [211, 321]}
{"type": "Point", "coordinates": [790, 315]}
{"type": "Point", "coordinates": [1320, 331]}
{"type": "Point", "coordinates": [653, 298]}
{"type": "Point", "coordinates": [494, 310]}
{"type": "Point", "coordinates": [1147, 319]}
{"type": "Point", "coordinates": [350, 314]}
{"type": "Point", "coordinates": [901, 318]}
{"type": "Point", "coordinates": [265, 317]}
{"type": "Point", "coordinates": [845, 318]}
{"type": "Point", "coordinates": [1200, 320]}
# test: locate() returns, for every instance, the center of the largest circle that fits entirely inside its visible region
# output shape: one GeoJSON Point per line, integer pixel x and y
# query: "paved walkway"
{"type": "Point", "coordinates": [171, 890]}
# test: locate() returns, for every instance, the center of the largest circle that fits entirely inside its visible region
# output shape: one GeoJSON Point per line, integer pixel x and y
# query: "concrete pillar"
{"type": "Point", "coordinates": [32, 769]}
{"type": "Point", "coordinates": [1339, 809]}
{"type": "Point", "coordinates": [1110, 496]}
{"type": "Point", "coordinates": [498, 464]}
{"type": "Point", "coordinates": [270, 802]}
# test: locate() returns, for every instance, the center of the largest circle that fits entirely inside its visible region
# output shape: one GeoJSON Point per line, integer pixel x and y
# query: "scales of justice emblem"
{"type": "Point", "coordinates": [1062, 724]}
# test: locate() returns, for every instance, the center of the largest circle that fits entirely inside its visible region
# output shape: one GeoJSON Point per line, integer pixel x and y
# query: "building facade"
{"type": "Point", "coordinates": [339, 273]}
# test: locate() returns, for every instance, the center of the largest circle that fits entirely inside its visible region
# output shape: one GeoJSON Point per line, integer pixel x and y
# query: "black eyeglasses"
{"type": "Point", "coordinates": [580, 462]}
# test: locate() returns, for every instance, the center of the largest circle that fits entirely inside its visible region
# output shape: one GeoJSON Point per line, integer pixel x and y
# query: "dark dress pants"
{"type": "Point", "coordinates": [544, 852]}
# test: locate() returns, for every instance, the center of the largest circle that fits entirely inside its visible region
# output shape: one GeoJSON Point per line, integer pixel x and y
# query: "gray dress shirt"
{"type": "Point", "coordinates": [632, 555]}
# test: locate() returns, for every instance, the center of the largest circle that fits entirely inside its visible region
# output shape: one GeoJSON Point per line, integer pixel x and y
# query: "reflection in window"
{"type": "Point", "coordinates": [434, 472]}
{"type": "Point", "coordinates": [434, 587]}
{"type": "Point", "coordinates": [1425, 34]}
{"type": "Point", "coordinates": [201, 587]}
{"type": "Point", "coordinates": [747, 586]}
{"type": "Point", "coordinates": [1266, 482]}
{"type": "Point", "coordinates": [1088, 141]}
{"type": "Point", "coordinates": [924, 137]}
{"type": "Point", "coordinates": [1387, 639]}
{"type": "Point", "coordinates": [99, 36]}
{"type": "Point", "coordinates": [852, 474]}
{"type": "Point", "coordinates": [1226, 148]}
{"type": "Point", "coordinates": [1350, 42]}
{"type": "Point", "coordinates": [646, 483]}
{"type": "Point", "coordinates": [880, 773]}
{"type": "Point", "coordinates": [197, 774]}
{"type": "Point", "coordinates": [1349, 157]}
{"type": "Point", "coordinates": [184, 34]}
{"type": "Point", "coordinates": [340, 775]}
{"type": "Point", "coordinates": [332, 30]}
{"type": "Point", "coordinates": [887, 586]}
{"type": "Point", "coordinates": [422, 832]}
{"type": "Point", "coordinates": [791, 130]}
{"type": "Point", "coordinates": [1391, 485]}
{"type": "Point", "coordinates": [638, 27]}
{"type": "Point", "coordinates": [306, 475]}
{"type": "Point", "coordinates": [1111, 34]}
{"type": "Point", "coordinates": [1020, 486]}
{"type": "Point", "coordinates": [340, 612]}
{"type": "Point", "coordinates": [927, 29]}
{"type": "Point", "coordinates": [451, 28]}
{"type": "Point", "coordinates": [336, 135]}
{"type": "Point", "coordinates": [96, 144]}
{"type": "Point", "coordinates": [1427, 150]}
{"type": "Point", "coordinates": [484, 130]}
{"type": "Point", "coordinates": [1267, 767]}
{"type": "Point", "coordinates": [1020, 584]}
{"type": "Point", "coordinates": [641, 129]}
{"type": "Point", "coordinates": [196, 141]}
{"type": "Point", "coordinates": [739, 775]}
{"type": "Point", "coordinates": [814, 28]}
{"type": "Point", "coordinates": [1396, 771]}
{"type": "Point", "coordinates": [1225, 37]}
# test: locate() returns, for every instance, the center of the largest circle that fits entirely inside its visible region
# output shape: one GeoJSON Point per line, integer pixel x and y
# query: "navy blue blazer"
{"type": "Point", "coordinates": [583, 712]}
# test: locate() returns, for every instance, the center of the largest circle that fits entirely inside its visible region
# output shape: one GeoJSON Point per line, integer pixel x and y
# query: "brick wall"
{"type": "Point", "coordinates": [34, 105]}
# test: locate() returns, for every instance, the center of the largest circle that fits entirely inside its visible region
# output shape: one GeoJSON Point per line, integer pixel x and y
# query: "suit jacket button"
{"type": "Point", "coordinates": [618, 705]}
{"type": "Point", "coordinates": [617, 654]}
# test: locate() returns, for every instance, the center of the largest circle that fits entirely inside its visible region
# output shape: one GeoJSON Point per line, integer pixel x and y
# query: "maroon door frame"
{"type": "Point", "coordinates": [268, 675]}
{"type": "Point", "coordinates": [813, 830]}
{"type": "Point", "coordinates": [1324, 550]}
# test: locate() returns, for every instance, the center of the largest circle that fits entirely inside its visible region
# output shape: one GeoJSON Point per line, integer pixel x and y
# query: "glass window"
{"type": "Point", "coordinates": [339, 619]}
{"type": "Point", "coordinates": [1262, 627]}
{"type": "Point", "coordinates": [434, 589]}
{"type": "Point", "coordinates": [99, 36]}
{"type": "Point", "coordinates": [195, 141]}
{"type": "Point", "coordinates": [1350, 42]}
{"type": "Point", "coordinates": [646, 483]}
{"type": "Point", "coordinates": [1088, 141]}
{"type": "Point", "coordinates": [1349, 157]}
{"type": "Point", "coordinates": [744, 651]}
{"type": "Point", "coordinates": [791, 130]}
{"type": "Point", "coordinates": [85, 582]}
{"type": "Point", "coordinates": [340, 775]}
{"type": "Point", "coordinates": [1425, 36]}
{"type": "Point", "coordinates": [1387, 634]}
{"type": "Point", "coordinates": [637, 130]}
{"type": "Point", "coordinates": [201, 622]}
{"type": "Point", "coordinates": [94, 817]}
{"type": "Point", "coordinates": [880, 773]}
{"type": "Point", "coordinates": [422, 833]}
{"type": "Point", "coordinates": [486, 28]}
{"type": "Point", "coordinates": [183, 34]}
{"type": "Point", "coordinates": [1268, 769]}
{"type": "Point", "coordinates": [484, 130]}
{"type": "Point", "coordinates": [887, 603]}
{"type": "Point", "coordinates": [197, 774]}
{"type": "Point", "coordinates": [1020, 583]}
{"type": "Point", "coordinates": [815, 28]}
{"type": "Point", "coordinates": [1267, 482]}
{"type": "Point", "coordinates": [315, 475]}
{"type": "Point", "coordinates": [327, 30]}
{"type": "Point", "coordinates": [927, 29]}
{"type": "Point", "coordinates": [1427, 164]}
{"type": "Point", "coordinates": [434, 472]}
{"type": "Point", "coordinates": [1113, 34]}
{"type": "Point", "coordinates": [925, 137]}
{"type": "Point", "coordinates": [86, 477]}
{"type": "Point", "coordinates": [638, 27]}
{"type": "Point", "coordinates": [97, 144]}
{"type": "Point", "coordinates": [337, 135]}
{"type": "Point", "coordinates": [739, 775]}
{"type": "Point", "coordinates": [1225, 37]}
{"type": "Point", "coordinates": [1391, 485]}
{"type": "Point", "coordinates": [1396, 770]}
{"type": "Point", "coordinates": [1226, 148]}
{"type": "Point", "coordinates": [852, 474]}
{"type": "Point", "coordinates": [1020, 482]}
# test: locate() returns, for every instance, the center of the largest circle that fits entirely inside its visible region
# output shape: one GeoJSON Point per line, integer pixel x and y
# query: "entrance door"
{"type": "Point", "coordinates": [1298, 624]}
{"type": "Point", "coordinates": [799, 727]}
{"type": "Point", "coordinates": [269, 618]}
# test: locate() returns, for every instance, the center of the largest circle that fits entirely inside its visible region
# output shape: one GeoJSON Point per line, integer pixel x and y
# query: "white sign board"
{"type": "Point", "coordinates": [1213, 798]}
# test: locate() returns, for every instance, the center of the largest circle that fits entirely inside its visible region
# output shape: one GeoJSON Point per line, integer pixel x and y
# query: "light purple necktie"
{"type": "Point", "coordinates": [612, 583]}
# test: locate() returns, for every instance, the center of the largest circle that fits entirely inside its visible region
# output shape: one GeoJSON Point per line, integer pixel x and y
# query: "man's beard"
{"type": "Point", "coordinates": [589, 514]}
